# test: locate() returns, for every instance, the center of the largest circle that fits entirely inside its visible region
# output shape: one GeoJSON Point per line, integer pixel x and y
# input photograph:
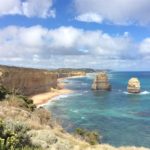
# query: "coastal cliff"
{"type": "Point", "coordinates": [35, 128]}
{"type": "Point", "coordinates": [29, 81]}
{"type": "Point", "coordinates": [67, 72]}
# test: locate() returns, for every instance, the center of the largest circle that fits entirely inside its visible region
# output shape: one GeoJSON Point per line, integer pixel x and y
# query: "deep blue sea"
{"type": "Point", "coordinates": [119, 117]}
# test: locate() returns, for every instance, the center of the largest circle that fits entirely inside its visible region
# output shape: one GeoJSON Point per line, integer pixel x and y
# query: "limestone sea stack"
{"type": "Point", "coordinates": [101, 82]}
{"type": "Point", "coordinates": [134, 85]}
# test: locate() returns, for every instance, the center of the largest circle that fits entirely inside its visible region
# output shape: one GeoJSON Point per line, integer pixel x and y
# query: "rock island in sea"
{"type": "Point", "coordinates": [101, 82]}
{"type": "Point", "coordinates": [134, 85]}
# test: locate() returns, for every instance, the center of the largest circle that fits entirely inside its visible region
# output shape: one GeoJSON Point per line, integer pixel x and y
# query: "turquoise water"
{"type": "Point", "coordinates": [121, 118]}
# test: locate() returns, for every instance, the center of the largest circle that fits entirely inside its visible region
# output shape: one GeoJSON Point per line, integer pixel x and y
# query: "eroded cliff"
{"type": "Point", "coordinates": [27, 81]}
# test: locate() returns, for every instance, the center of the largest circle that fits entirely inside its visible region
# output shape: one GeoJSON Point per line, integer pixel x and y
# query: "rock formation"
{"type": "Point", "coordinates": [134, 85]}
{"type": "Point", "coordinates": [29, 81]}
{"type": "Point", "coordinates": [101, 82]}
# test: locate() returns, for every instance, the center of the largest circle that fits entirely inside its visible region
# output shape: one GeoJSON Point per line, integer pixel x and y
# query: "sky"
{"type": "Point", "coordinates": [99, 34]}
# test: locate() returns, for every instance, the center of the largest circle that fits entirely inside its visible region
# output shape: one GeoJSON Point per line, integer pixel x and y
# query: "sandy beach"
{"type": "Point", "coordinates": [45, 97]}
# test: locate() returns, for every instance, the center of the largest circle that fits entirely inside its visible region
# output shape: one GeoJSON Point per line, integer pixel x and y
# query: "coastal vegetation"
{"type": "Point", "coordinates": [13, 135]}
{"type": "Point", "coordinates": [92, 137]}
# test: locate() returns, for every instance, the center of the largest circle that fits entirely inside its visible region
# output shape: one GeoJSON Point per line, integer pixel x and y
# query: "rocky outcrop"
{"type": "Point", "coordinates": [134, 85]}
{"type": "Point", "coordinates": [101, 82]}
{"type": "Point", "coordinates": [27, 81]}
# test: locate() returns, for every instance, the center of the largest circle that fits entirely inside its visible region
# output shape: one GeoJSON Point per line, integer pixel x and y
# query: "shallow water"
{"type": "Point", "coordinates": [121, 118]}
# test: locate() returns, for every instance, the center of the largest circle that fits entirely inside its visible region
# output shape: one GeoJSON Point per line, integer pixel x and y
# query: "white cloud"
{"type": "Point", "coordinates": [23, 41]}
{"type": "Point", "coordinates": [69, 47]}
{"type": "Point", "coordinates": [10, 7]}
{"type": "Point", "coordinates": [124, 12]}
{"type": "Point", "coordinates": [145, 47]}
{"type": "Point", "coordinates": [28, 8]}
{"type": "Point", "coordinates": [89, 17]}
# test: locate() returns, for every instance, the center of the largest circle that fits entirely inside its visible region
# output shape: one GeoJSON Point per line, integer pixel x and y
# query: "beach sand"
{"type": "Point", "coordinates": [43, 98]}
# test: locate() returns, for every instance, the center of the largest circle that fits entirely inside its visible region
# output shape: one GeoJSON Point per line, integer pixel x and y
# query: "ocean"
{"type": "Point", "coordinates": [122, 119]}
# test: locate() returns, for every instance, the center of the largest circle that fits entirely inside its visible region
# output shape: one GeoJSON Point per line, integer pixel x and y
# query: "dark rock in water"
{"type": "Point", "coordinates": [101, 82]}
{"type": "Point", "coordinates": [134, 85]}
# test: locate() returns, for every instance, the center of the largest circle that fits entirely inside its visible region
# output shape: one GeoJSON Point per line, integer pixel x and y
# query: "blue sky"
{"type": "Point", "coordinates": [104, 34]}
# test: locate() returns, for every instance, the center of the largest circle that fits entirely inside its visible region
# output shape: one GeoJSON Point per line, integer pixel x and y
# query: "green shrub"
{"type": "Point", "coordinates": [28, 102]}
{"type": "Point", "coordinates": [13, 136]}
{"type": "Point", "coordinates": [26, 99]}
{"type": "Point", "coordinates": [3, 92]}
{"type": "Point", "coordinates": [8, 139]}
{"type": "Point", "coordinates": [91, 137]}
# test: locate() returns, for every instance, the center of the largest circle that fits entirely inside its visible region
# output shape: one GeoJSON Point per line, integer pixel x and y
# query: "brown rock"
{"type": "Point", "coordinates": [27, 81]}
{"type": "Point", "coordinates": [134, 85]}
{"type": "Point", "coordinates": [101, 82]}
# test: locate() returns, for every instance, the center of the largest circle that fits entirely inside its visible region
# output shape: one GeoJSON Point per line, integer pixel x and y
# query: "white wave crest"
{"type": "Point", "coordinates": [61, 96]}
{"type": "Point", "coordinates": [144, 93]}
{"type": "Point", "coordinates": [75, 111]}
{"type": "Point", "coordinates": [141, 93]}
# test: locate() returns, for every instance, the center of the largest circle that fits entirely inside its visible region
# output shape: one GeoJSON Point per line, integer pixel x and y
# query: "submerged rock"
{"type": "Point", "coordinates": [101, 82]}
{"type": "Point", "coordinates": [134, 85]}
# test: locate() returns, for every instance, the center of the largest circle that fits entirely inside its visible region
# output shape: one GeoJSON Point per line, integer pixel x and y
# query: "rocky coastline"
{"type": "Point", "coordinates": [29, 82]}
{"type": "Point", "coordinates": [44, 131]}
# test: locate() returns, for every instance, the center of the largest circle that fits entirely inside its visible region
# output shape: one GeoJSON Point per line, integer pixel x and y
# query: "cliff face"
{"type": "Point", "coordinates": [71, 74]}
{"type": "Point", "coordinates": [33, 81]}
{"type": "Point", "coordinates": [27, 81]}
{"type": "Point", "coordinates": [134, 85]}
{"type": "Point", "coordinates": [101, 82]}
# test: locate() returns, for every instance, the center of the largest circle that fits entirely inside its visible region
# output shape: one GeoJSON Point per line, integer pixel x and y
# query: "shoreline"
{"type": "Point", "coordinates": [43, 98]}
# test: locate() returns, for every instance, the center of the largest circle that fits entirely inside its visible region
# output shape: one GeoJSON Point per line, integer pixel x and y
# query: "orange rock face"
{"type": "Point", "coordinates": [134, 85]}
{"type": "Point", "coordinates": [101, 82]}
{"type": "Point", "coordinates": [27, 81]}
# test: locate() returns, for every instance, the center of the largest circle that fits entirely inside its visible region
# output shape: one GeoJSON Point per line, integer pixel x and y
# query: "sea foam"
{"type": "Point", "coordinates": [141, 93]}
{"type": "Point", "coordinates": [61, 96]}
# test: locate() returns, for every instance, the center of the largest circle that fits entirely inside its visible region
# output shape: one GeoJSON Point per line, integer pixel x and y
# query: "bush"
{"type": "Point", "coordinates": [8, 139]}
{"type": "Point", "coordinates": [3, 92]}
{"type": "Point", "coordinates": [29, 102]}
{"type": "Point", "coordinates": [91, 137]}
{"type": "Point", "coordinates": [13, 136]}
{"type": "Point", "coordinates": [43, 115]}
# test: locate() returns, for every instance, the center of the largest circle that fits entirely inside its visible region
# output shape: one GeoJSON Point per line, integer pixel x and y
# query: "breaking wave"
{"type": "Point", "coordinates": [142, 93]}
